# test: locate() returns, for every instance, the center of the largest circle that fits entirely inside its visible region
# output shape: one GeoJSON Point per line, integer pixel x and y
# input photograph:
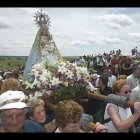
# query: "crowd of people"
{"type": "Point", "coordinates": [110, 73]}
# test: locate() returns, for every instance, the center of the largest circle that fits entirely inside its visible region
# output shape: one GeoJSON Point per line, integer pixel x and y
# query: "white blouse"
{"type": "Point", "coordinates": [125, 113]}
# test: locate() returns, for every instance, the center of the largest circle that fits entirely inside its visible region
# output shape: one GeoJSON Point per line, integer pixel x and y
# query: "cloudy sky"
{"type": "Point", "coordinates": [76, 31]}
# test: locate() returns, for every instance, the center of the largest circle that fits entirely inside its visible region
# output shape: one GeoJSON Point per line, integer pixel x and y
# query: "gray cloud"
{"type": "Point", "coordinates": [27, 11]}
{"type": "Point", "coordinates": [75, 30]}
{"type": "Point", "coordinates": [135, 36]}
{"type": "Point", "coordinates": [78, 42]}
{"type": "Point", "coordinates": [2, 26]}
{"type": "Point", "coordinates": [116, 21]}
{"type": "Point", "coordinates": [110, 40]}
{"type": "Point", "coordinates": [104, 40]}
{"type": "Point", "coordinates": [129, 11]}
{"type": "Point", "coordinates": [4, 23]}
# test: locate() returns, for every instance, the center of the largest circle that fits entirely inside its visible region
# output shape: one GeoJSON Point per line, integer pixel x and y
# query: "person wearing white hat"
{"type": "Point", "coordinates": [7, 74]}
{"type": "Point", "coordinates": [13, 112]}
{"type": "Point", "coordinates": [94, 78]}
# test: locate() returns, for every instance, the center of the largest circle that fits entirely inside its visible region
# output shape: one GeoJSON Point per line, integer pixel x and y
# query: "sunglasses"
{"type": "Point", "coordinates": [126, 92]}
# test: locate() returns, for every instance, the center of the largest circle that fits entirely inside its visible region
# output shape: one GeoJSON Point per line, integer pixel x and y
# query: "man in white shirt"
{"type": "Point", "coordinates": [133, 78]}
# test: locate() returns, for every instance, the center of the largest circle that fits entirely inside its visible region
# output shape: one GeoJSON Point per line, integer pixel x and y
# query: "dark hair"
{"type": "Point", "coordinates": [105, 68]}
{"type": "Point", "coordinates": [104, 79]}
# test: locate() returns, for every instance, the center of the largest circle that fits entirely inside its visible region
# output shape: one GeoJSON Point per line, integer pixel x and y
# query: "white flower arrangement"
{"type": "Point", "coordinates": [59, 78]}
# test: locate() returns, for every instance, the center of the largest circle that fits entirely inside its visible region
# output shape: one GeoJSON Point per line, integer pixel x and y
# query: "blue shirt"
{"type": "Point", "coordinates": [33, 127]}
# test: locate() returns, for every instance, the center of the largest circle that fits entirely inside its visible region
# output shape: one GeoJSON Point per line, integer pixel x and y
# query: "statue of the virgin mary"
{"type": "Point", "coordinates": [44, 48]}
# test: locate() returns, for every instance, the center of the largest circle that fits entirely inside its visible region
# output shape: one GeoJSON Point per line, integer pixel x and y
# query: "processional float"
{"type": "Point", "coordinates": [44, 48]}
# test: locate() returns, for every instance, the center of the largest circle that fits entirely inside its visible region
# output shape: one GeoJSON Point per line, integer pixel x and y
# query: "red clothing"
{"type": "Point", "coordinates": [114, 61]}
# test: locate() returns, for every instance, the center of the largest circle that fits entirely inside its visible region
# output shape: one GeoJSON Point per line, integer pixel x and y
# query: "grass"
{"type": "Point", "coordinates": [11, 64]}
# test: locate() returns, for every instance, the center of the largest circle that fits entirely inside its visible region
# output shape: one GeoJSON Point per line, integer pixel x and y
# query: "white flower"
{"type": "Point", "coordinates": [38, 84]}
{"type": "Point", "coordinates": [28, 85]}
{"type": "Point", "coordinates": [34, 72]}
{"type": "Point", "coordinates": [62, 69]}
{"type": "Point", "coordinates": [61, 63]}
{"type": "Point", "coordinates": [38, 93]}
{"type": "Point", "coordinates": [78, 75]}
{"type": "Point", "coordinates": [55, 81]}
{"type": "Point", "coordinates": [39, 65]}
{"type": "Point", "coordinates": [82, 73]}
{"type": "Point", "coordinates": [69, 74]}
{"type": "Point", "coordinates": [74, 64]}
{"type": "Point", "coordinates": [48, 92]}
{"type": "Point", "coordinates": [48, 77]}
{"type": "Point", "coordinates": [31, 97]}
{"type": "Point", "coordinates": [47, 74]}
{"type": "Point", "coordinates": [65, 84]}
{"type": "Point", "coordinates": [91, 87]}
{"type": "Point", "coordinates": [42, 78]}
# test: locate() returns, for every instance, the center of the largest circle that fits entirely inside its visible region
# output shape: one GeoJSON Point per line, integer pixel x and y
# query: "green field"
{"type": "Point", "coordinates": [13, 62]}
